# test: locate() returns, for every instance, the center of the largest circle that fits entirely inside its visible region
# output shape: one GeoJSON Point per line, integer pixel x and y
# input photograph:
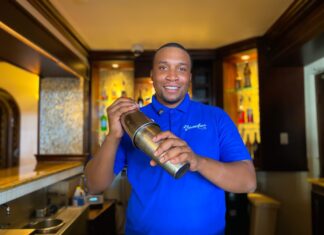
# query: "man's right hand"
{"type": "Point", "coordinates": [114, 112]}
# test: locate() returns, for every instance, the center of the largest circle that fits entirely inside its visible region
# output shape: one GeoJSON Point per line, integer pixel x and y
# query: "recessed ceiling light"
{"type": "Point", "coordinates": [115, 66]}
{"type": "Point", "coordinates": [245, 57]}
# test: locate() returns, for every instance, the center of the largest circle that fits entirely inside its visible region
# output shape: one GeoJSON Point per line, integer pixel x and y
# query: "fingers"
{"type": "Point", "coordinates": [169, 143]}
{"type": "Point", "coordinates": [163, 135]}
{"type": "Point", "coordinates": [176, 155]}
{"type": "Point", "coordinates": [121, 106]}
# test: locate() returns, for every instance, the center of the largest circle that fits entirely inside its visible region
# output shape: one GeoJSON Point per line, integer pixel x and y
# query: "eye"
{"type": "Point", "coordinates": [182, 68]}
{"type": "Point", "coordinates": [162, 67]}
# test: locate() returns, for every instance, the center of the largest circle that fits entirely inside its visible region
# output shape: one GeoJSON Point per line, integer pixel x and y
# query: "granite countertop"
{"type": "Point", "coordinates": [27, 178]}
{"type": "Point", "coordinates": [15, 176]}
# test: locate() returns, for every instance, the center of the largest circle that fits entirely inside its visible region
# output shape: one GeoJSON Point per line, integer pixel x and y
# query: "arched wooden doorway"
{"type": "Point", "coordinates": [9, 130]}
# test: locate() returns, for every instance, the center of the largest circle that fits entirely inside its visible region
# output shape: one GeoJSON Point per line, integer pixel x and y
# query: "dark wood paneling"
{"type": "Point", "coordinates": [62, 157]}
{"type": "Point", "coordinates": [103, 55]}
{"type": "Point", "coordinates": [18, 53]}
{"type": "Point", "coordinates": [283, 110]}
{"type": "Point", "coordinates": [296, 39]}
{"type": "Point", "coordinates": [14, 16]}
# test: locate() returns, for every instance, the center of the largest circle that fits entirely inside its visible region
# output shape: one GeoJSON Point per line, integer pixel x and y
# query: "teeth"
{"type": "Point", "coordinates": [171, 87]}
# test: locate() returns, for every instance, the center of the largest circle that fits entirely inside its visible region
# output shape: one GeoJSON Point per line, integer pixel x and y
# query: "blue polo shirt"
{"type": "Point", "coordinates": [160, 204]}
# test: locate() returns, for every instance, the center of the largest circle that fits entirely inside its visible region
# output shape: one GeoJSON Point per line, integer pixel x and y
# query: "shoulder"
{"type": "Point", "coordinates": [207, 109]}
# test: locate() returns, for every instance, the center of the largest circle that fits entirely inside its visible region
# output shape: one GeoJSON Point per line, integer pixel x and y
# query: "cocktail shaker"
{"type": "Point", "coordinates": [141, 130]}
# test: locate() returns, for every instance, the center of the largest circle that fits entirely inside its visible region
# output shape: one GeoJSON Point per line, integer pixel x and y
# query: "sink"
{"type": "Point", "coordinates": [48, 225]}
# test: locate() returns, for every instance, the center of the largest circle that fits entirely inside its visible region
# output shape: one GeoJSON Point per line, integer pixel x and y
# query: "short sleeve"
{"type": "Point", "coordinates": [231, 145]}
{"type": "Point", "coordinates": [120, 159]}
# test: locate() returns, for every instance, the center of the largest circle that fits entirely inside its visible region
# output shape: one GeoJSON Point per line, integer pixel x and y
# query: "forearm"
{"type": "Point", "coordinates": [236, 177]}
{"type": "Point", "coordinates": [99, 170]}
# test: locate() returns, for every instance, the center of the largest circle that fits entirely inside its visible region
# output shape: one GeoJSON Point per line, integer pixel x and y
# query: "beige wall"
{"type": "Point", "coordinates": [24, 87]}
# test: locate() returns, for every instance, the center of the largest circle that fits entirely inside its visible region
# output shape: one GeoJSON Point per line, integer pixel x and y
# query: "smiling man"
{"type": "Point", "coordinates": [203, 135]}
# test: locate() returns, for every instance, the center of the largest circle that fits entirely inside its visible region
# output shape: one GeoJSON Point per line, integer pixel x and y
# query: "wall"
{"type": "Point", "coordinates": [61, 116]}
{"type": "Point", "coordinates": [24, 87]}
{"type": "Point", "coordinates": [310, 71]}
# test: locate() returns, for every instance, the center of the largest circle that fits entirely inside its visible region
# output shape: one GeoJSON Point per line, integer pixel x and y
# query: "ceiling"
{"type": "Point", "coordinates": [203, 24]}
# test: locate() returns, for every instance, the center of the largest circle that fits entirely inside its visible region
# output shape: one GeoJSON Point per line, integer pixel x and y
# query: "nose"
{"type": "Point", "coordinates": [172, 75]}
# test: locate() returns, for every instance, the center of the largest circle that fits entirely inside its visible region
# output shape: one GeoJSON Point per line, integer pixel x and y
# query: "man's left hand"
{"type": "Point", "coordinates": [175, 150]}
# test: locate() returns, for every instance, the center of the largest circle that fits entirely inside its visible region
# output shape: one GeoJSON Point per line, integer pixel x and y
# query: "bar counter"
{"type": "Point", "coordinates": [18, 181]}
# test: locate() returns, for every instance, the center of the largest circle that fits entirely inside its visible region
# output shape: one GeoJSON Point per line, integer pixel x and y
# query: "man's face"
{"type": "Point", "coordinates": [171, 75]}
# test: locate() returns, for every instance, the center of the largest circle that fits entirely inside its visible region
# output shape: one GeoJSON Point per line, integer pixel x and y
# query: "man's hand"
{"type": "Point", "coordinates": [114, 112]}
{"type": "Point", "coordinates": [175, 150]}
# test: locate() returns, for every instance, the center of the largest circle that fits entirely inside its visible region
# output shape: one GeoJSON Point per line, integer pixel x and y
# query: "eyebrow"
{"type": "Point", "coordinates": [165, 62]}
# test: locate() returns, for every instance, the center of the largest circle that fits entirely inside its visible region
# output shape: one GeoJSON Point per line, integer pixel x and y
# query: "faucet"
{"type": "Point", "coordinates": [7, 208]}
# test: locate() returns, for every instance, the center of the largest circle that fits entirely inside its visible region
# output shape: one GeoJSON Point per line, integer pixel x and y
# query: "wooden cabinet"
{"type": "Point", "coordinates": [102, 221]}
{"type": "Point", "coordinates": [279, 118]}
{"type": "Point", "coordinates": [317, 210]}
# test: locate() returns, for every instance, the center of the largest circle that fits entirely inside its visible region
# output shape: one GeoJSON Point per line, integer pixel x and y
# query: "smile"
{"type": "Point", "coordinates": [171, 87]}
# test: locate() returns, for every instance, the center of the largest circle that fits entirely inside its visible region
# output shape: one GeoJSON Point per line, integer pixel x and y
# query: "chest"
{"type": "Point", "coordinates": [196, 129]}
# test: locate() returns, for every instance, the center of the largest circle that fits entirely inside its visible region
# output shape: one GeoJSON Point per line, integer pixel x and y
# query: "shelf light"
{"type": "Point", "coordinates": [245, 57]}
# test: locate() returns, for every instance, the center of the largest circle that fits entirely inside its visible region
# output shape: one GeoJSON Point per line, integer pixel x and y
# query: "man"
{"type": "Point", "coordinates": [203, 135]}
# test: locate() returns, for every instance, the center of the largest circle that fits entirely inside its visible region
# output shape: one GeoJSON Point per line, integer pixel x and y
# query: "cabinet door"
{"type": "Point", "coordinates": [201, 89]}
{"type": "Point", "coordinates": [317, 213]}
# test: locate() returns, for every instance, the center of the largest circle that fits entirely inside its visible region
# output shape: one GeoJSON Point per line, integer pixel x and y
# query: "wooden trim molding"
{"type": "Point", "coordinates": [290, 41]}
{"type": "Point", "coordinates": [46, 8]}
{"type": "Point", "coordinates": [62, 157]}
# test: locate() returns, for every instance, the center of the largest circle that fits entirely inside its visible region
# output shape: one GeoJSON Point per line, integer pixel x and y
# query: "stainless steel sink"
{"type": "Point", "coordinates": [67, 221]}
{"type": "Point", "coordinates": [48, 225]}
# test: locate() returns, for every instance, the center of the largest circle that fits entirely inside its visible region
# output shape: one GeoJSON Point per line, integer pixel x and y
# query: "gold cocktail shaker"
{"type": "Point", "coordinates": [141, 130]}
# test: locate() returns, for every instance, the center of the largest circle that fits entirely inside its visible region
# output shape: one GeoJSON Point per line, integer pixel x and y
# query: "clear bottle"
{"type": "Point", "coordinates": [249, 112]}
{"type": "Point", "coordinates": [103, 120]}
{"type": "Point", "coordinates": [247, 75]}
{"type": "Point", "coordinates": [241, 112]}
{"type": "Point", "coordinates": [78, 196]}
{"type": "Point", "coordinates": [140, 100]}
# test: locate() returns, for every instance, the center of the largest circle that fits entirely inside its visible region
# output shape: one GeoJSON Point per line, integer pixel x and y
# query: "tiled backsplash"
{"type": "Point", "coordinates": [61, 116]}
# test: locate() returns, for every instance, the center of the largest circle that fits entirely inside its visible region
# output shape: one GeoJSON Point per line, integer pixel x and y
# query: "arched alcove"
{"type": "Point", "coordinates": [9, 130]}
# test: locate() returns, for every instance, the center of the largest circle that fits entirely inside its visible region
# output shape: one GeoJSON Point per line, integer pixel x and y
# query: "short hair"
{"type": "Point", "coordinates": [176, 45]}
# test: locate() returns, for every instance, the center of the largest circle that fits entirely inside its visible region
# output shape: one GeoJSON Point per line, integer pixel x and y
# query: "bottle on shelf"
{"type": "Point", "coordinates": [248, 144]}
{"type": "Point", "coordinates": [247, 75]}
{"type": "Point", "coordinates": [256, 150]}
{"type": "Point", "coordinates": [104, 96]}
{"type": "Point", "coordinates": [238, 80]}
{"type": "Point", "coordinates": [103, 120]}
{"type": "Point", "coordinates": [241, 112]}
{"type": "Point", "coordinates": [249, 112]}
{"type": "Point", "coordinates": [140, 100]}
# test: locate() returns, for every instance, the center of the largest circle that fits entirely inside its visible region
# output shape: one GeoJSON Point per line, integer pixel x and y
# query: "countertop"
{"type": "Point", "coordinates": [316, 181]}
{"type": "Point", "coordinates": [19, 181]}
{"type": "Point", "coordinates": [12, 177]}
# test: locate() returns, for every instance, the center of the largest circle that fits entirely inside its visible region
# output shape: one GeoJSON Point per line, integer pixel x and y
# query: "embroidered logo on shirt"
{"type": "Point", "coordinates": [198, 126]}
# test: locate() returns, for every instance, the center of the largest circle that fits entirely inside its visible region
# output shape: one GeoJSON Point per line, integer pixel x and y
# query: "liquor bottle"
{"type": "Point", "coordinates": [248, 144]}
{"type": "Point", "coordinates": [241, 112]}
{"type": "Point", "coordinates": [249, 112]}
{"type": "Point", "coordinates": [103, 120]}
{"type": "Point", "coordinates": [256, 150]}
{"type": "Point", "coordinates": [247, 75]}
{"type": "Point", "coordinates": [140, 100]}
{"type": "Point", "coordinates": [238, 80]}
{"type": "Point", "coordinates": [104, 96]}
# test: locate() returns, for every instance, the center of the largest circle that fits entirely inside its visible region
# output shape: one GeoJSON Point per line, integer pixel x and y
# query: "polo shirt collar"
{"type": "Point", "coordinates": [160, 108]}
